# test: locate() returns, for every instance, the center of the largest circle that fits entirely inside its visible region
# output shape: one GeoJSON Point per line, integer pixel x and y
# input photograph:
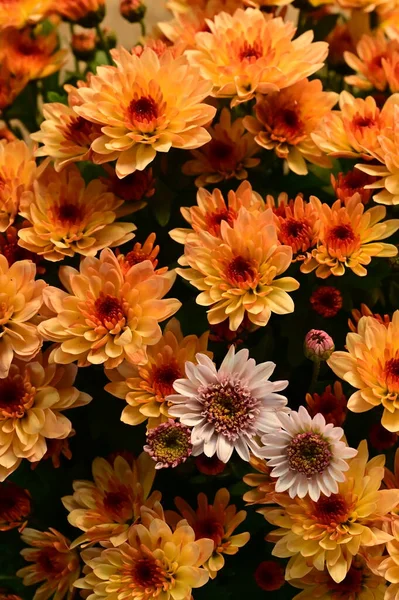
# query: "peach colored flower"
{"type": "Point", "coordinates": [353, 182]}
{"type": "Point", "coordinates": [217, 521]}
{"type": "Point", "coordinates": [66, 217]}
{"type": "Point", "coordinates": [17, 174]}
{"type": "Point", "coordinates": [107, 315]}
{"type": "Point", "coordinates": [285, 120]}
{"type": "Point", "coordinates": [331, 404]}
{"type": "Point", "coordinates": [212, 210]}
{"type": "Point", "coordinates": [371, 364]}
{"type": "Point", "coordinates": [31, 54]}
{"type": "Point", "coordinates": [15, 506]}
{"type": "Point", "coordinates": [145, 105]}
{"type": "Point", "coordinates": [251, 52]}
{"type": "Point", "coordinates": [297, 223]}
{"type": "Point", "coordinates": [376, 63]}
{"type": "Point", "coordinates": [106, 508]}
{"type": "Point", "coordinates": [237, 272]}
{"type": "Point", "coordinates": [330, 533]}
{"type": "Point", "coordinates": [182, 29]}
{"type": "Point", "coordinates": [55, 450]}
{"type": "Point", "coordinates": [154, 562]}
{"type": "Point", "coordinates": [54, 564]}
{"type": "Point", "coordinates": [349, 237]}
{"type": "Point", "coordinates": [20, 299]}
{"type": "Point", "coordinates": [11, 85]}
{"type": "Point", "coordinates": [85, 12]}
{"type": "Point", "coordinates": [365, 312]}
{"type": "Point", "coordinates": [140, 253]}
{"type": "Point", "coordinates": [354, 131]}
{"type": "Point", "coordinates": [18, 13]}
{"type": "Point", "coordinates": [33, 397]}
{"type": "Point", "coordinates": [146, 387]}
{"type": "Point", "coordinates": [340, 40]}
{"type": "Point", "coordinates": [262, 483]}
{"type": "Point", "coordinates": [228, 155]}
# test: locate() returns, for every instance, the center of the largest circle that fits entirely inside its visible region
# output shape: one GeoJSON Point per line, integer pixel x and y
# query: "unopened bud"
{"type": "Point", "coordinates": [133, 10]}
{"type": "Point", "coordinates": [318, 345]}
{"type": "Point", "coordinates": [84, 45]}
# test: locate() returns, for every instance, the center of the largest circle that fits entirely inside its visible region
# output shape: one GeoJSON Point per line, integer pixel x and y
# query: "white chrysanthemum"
{"type": "Point", "coordinates": [307, 455]}
{"type": "Point", "coordinates": [228, 408]}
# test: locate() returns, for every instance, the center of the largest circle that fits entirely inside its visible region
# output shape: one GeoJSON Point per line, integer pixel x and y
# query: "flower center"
{"type": "Point", "coordinates": [290, 118]}
{"type": "Point", "coordinates": [250, 52]}
{"type": "Point", "coordinates": [392, 372]}
{"type": "Point", "coordinates": [170, 443]}
{"type": "Point", "coordinates": [14, 503]}
{"type": "Point", "coordinates": [108, 309]}
{"type": "Point", "coordinates": [361, 121]}
{"type": "Point", "coordinates": [116, 502]}
{"type": "Point", "coordinates": [352, 584]}
{"type": "Point", "coordinates": [52, 562]}
{"type": "Point", "coordinates": [240, 270]}
{"type": "Point", "coordinates": [309, 453]}
{"type": "Point", "coordinates": [14, 398]}
{"type": "Point", "coordinates": [213, 220]}
{"type": "Point", "coordinates": [143, 110]}
{"type": "Point", "coordinates": [148, 575]}
{"type": "Point", "coordinates": [134, 257]}
{"type": "Point", "coordinates": [230, 407]}
{"type": "Point", "coordinates": [330, 510]}
{"type": "Point", "coordinates": [69, 213]}
{"type": "Point", "coordinates": [164, 378]}
{"type": "Point", "coordinates": [220, 151]}
{"type": "Point", "coordinates": [209, 527]}
{"type": "Point", "coordinates": [341, 234]}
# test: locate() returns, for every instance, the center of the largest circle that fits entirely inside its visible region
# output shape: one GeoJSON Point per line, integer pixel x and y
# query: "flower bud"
{"type": "Point", "coordinates": [84, 45]}
{"type": "Point", "coordinates": [133, 10]}
{"type": "Point", "coordinates": [318, 345]}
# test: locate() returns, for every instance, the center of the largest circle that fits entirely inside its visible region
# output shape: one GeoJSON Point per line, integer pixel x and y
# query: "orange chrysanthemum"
{"type": "Point", "coordinates": [213, 210]}
{"type": "Point", "coordinates": [145, 105]}
{"type": "Point", "coordinates": [18, 13]}
{"type": "Point", "coordinates": [251, 52]}
{"type": "Point", "coordinates": [371, 364]}
{"type": "Point", "coordinates": [31, 54]}
{"type": "Point", "coordinates": [228, 155]}
{"type": "Point", "coordinates": [262, 483]}
{"type": "Point", "coordinates": [85, 12]}
{"type": "Point", "coordinates": [353, 182]}
{"type": "Point", "coordinates": [54, 564]}
{"type": "Point", "coordinates": [354, 131]}
{"type": "Point", "coordinates": [107, 315]}
{"type": "Point", "coordinates": [330, 533]}
{"type": "Point", "coordinates": [106, 508]}
{"type": "Point", "coordinates": [297, 223]}
{"type": "Point", "coordinates": [140, 253]}
{"type": "Point", "coordinates": [20, 299]}
{"type": "Point", "coordinates": [33, 397]}
{"type": "Point", "coordinates": [376, 63]}
{"type": "Point", "coordinates": [237, 272]}
{"type": "Point", "coordinates": [365, 312]}
{"type": "Point", "coordinates": [349, 237]}
{"type": "Point", "coordinates": [340, 40]}
{"type": "Point", "coordinates": [331, 404]}
{"type": "Point", "coordinates": [66, 217]}
{"type": "Point", "coordinates": [11, 84]}
{"type": "Point", "coordinates": [284, 122]}
{"type": "Point", "coordinates": [15, 506]}
{"type": "Point", "coordinates": [217, 521]}
{"type": "Point", "coordinates": [146, 387]}
{"type": "Point", "coordinates": [12, 251]}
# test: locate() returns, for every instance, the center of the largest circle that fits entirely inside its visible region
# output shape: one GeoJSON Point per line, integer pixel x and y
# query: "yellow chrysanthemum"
{"type": "Point", "coordinates": [284, 122]}
{"type": "Point", "coordinates": [32, 398]}
{"type": "Point", "coordinates": [213, 210]}
{"type": "Point", "coordinates": [146, 387]}
{"type": "Point", "coordinates": [146, 105]}
{"type": "Point", "coordinates": [349, 237]}
{"type": "Point", "coordinates": [371, 364]}
{"type": "Point", "coordinates": [68, 218]}
{"type": "Point", "coordinates": [108, 315]}
{"type": "Point", "coordinates": [330, 533]}
{"type": "Point", "coordinates": [155, 562]}
{"type": "Point", "coordinates": [106, 507]}
{"type": "Point", "coordinates": [237, 272]}
{"type": "Point", "coordinates": [228, 155]}
{"type": "Point", "coordinates": [375, 63]}
{"type": "Point", "coordinates": [54, 564]}
{"type": "Point", "coordinates": [20, 300]}
{"type": "Point", "coordinates": [18, 13]}
{"type": "Point", "coordinates": [251, 52]}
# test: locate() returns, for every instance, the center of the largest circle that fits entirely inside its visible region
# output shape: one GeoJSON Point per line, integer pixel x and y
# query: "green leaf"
{"type": "Point", "coordinates": [56, 97]}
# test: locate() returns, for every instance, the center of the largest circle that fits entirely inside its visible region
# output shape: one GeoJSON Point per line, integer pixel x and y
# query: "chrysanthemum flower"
{"type": "Point", "coordinates": [33, 397]}
{"type": "Point", "coordinates": [326, 301]}
{"type": "Point", "coordinates": [146, 387]}
{"type": "Point", "coordinates": [217, 521]}
{"type": "Point", "coordinates": [308, 456]}
{"type": "Point", "coordinates": [18, 13]}
{"type": "Point", "coordinates": [213, 7]}
{"type": "Point", "coordinates": [11, 85]}
{"type": "Point", "coordinates": [55, 450]}
{"type": "Point", "coordinates": [330, 533]}
{"type": "Point", "coordinates": [29, 54]}
{"type": "Point", "coordinates": [251, 52]}
{"type": "Point", "coordinates": [228, 408]}
{"type": "Point", "coordinates": [354, 130]}
{"type": "Point", "coordinates": [107, 315]}
{"type": "Point", "coordinates": [66, 217]}
{"type": "Point", "coordinates": [209, 465]}
{"type": "Point", "coordinates": [139, 253]}
{"type": "Point", "coordinates": [349, 237]}
{"type": "Point", "coordinates": [12, 251]}
{"type": "Point", "coordinates": [213, 210]}
{"type": "Point", "coordinates": [237, 273]}
{"type": "Point", "coordinates": [360, 583]}
{"type": "Point", "coordinates": [4, 595]}
{"type": "Point", "coordinates": [134, 188]}
{"type": "Point", "coordinates": [297, 223]}
{"type": "Point", "coordinates": [228, 155]}
{"type": "Point", "coordinates": [169, 444]}
{"type": "Point", "coordinates": [284, 122]}
{"type": "Point", "coordinates": [141, 112]}
{"type": "Point", "coordinates": [15, 506]}
{"type": "Point", "coordinates": [106, 508]}
{"type": "Point", "coordinates": [20, 299]}
{"type": "Point", "coordinates": [375, 63]}
{"type": "Point", "coordinates": [54, 564]}
{"type": "Point", "coordinates": [363, 5]}
{"type": "Point", "coordinates": [155, 562]}
{"type": "Point", "coordinates": [331, 404]}
{"type": "Point", "coordinates": [340, 40]}
{"type": "Point", "coordinates": [380, 438]}
{"type": "Point", "coordinates": [269, 575]}
{"type": "Point", "coordinates": [262, 483]}
{"type": "Point", "coordinates": [372, 365]}
{"type": "Point", "coordinates": [184, 26]}
{"type": "Point", "coordinates": [365, 311]}
{"type": "Point", "coordinates": [318, 345]}
{"type": "Point", "coordinates": [353, 182]}
{"type": "Point", "coordinates": [84, 12]}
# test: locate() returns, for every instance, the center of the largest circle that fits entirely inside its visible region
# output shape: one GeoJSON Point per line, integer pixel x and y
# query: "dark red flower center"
{"type": "Point", "coordinates": [143, 109]}
{"type": "Point", "coordinates": [239, 270]}
{"type": "Point", "coordinates": [69, 213]}
{"type": "Point", "coordinates": [116, 501]}
{"type": "Point", "coordinates": [361, 121]}
{"type": "Point", "coordinates": [108, 308]}
{"type": "Point", "coordinates": [219, 150]}
{"type": "Point", "coordinates": [250, 51]}
{"type": "Point", "coordinates": [331, 509]}
{"type": "Point", "coordinates": [341, 233]}
{"type": "Point", "coordinates": [12, 393]}
{"type": "Point", "coordinates": [210, 528]}
{"type": "Point", "coordinates": [52, 562]}
{"type": "Point", "coordinates": [147, 574]}
{"type": "Point", "coordinates": [164, 378]}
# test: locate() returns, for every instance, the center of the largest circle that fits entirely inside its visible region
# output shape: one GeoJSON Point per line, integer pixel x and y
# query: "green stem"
{"type": "Point", "coordinates": [142, 28]}
{"type": "Point", "coordinates": [315, 375]}
{"type": "Point", "coordinates": [77, 66]}
{"type": "Point", "coordinates": [104, 44]}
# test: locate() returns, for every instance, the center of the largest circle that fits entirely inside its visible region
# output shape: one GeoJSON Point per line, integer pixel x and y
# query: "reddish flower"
{"type": "Point", "coordinates": [132, 188]}
{"type": "Point", "coordinates": [326, 301]}
{"type": "Point", "coordinates": [352, 182]}
{"type": "Point", "coordinates": [12, 251]}
{"type": "Point", "coordinates": [14, 507]}
{"type": "Point", "coordinates": [4, 595]}
{"type": "Point", "coordinates": [221, 332]}
{"type": "Point", "coordinates": [128, 456]}
{"type": "Point", "coordinates": [269, 575]}
{"type": "Point", "coordinates": [366, 312]}
{"type": "Point", "coordinates": [331, 404]}
{"type": "Point", "coordinates": [380, 438]}
{"type": "Point", "coordinates": [139, 253]}
{"type": "Point", "coordinates": [209, 466]}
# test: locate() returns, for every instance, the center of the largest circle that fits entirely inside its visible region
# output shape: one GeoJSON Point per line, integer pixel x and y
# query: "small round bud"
{"type": "Point", "coordinates": [318, 345]}
{"type": "Point", "coordinates": [84, 45]}
{"type": "Point", "coordinates": [133, 10]}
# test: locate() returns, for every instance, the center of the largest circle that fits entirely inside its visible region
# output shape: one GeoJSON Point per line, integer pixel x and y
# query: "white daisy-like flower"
{"type": "Point", "coordinates": [230, 407]}
{"type": "Point", "coordinates": [307, 455]}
